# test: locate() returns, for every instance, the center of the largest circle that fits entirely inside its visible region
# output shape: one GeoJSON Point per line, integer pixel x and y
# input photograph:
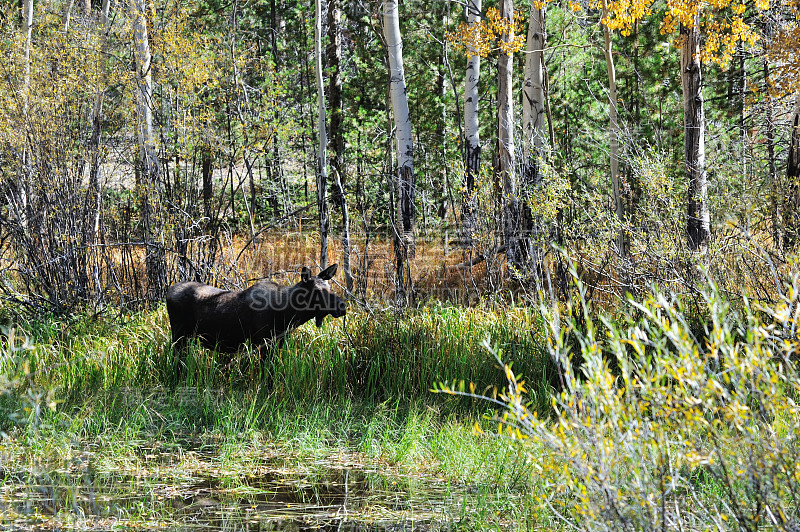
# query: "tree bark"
{"type": "Point", "coordinates": [68, 15]}
{"type": "Point", "coordinates": [791, 213]}
{"type": "Point", "coordinates": [322, 159]}
{"type": "Point", "coordinates": [150, 172]}
{"type": "Point", "coordinates": [441, 185]}
{"type": "Point", "coordinates": [207, 161]}
{"type": "Point", "coordinates": [613, 130]}
{"type": "Point", "coordinates": [533, 98]}
{"type": "Point", "coordinates": [97, 118]}
{"type": "Point", "coordinates": [337, 135]}
{"type": "Point", "coordinates": [472, 140]}
{"type": "Point", "coordinates": [506, 149]}
{"type": "Point", "coordinates": [698, 226]}
{"type": "Point", "coordinates": [27, 29]}
{"type": "Point", "coordinates": [405, 149]}
{"type": "Point", "coordinates": [533, 112]}
{"type": "Point", "coordinates": [777, 232]}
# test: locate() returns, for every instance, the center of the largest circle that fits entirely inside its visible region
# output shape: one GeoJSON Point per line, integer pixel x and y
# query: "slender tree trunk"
{"type": "Point", "coordinates": [777, 232]}
{"type": "Point", "coordinates": [533, 113]}
{"type": "Point", "coordinates": [150, 172]}
{"type": "Point", "coordinates": [698, 226]}
{"type": "Point", "coordinates": [207, 161]}
{"type": "Point", "coordinates": [792, 208]}
{"type": "Point", "coordinates": [613, 130]}
{"type": "Point", "coordinates": [27, 30]}
{"type": "Point", "coordinates": [405, 147]}
{"type": "Point", "coordinates": [337, 133]}
{"type": "Point", "coordinates": [305, 89]}
{"type": "Point", "coordinates": [472, 140]}
{"type": "Point", "coordinates": [322, 158]}
{"type": "Point", "coordinates": [533, 99]}
{"type": "Point", "coordinates": [506, 149]}
{"type": "Point", "coordinates": [97, 119]}
{"type": "Point", "coordinates": [440, 187]}
{"type": "Point", "coordinates": [742, 107]}
{"type": "Point", "coordinates": [144, 93]}
{"type": "Point", "coordinates": [68, 15]}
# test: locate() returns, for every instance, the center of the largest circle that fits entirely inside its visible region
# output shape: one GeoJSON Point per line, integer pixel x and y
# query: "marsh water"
{"type": "Point", "coordinates": [191, 486]}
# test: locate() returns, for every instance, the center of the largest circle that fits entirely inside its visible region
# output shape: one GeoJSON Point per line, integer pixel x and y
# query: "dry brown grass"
{"type": "Point", "coordinates": [281, 255]}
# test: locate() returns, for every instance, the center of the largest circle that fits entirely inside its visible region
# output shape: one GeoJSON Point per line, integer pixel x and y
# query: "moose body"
{"type": "Point", "coordinates": [226, 319]}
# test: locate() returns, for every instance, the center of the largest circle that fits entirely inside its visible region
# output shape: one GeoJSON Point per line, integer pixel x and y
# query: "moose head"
{"type": "Point", "coordinates": [314, 294]}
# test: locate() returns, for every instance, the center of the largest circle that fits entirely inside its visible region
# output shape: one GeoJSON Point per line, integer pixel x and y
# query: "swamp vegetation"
{"type": "Point", "coordinates": [669, 413]}
{"type": "Point", "coordinates": [336, 428]}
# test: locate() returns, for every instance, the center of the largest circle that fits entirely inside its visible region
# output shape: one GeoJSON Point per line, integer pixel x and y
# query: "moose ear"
{"type": "Point", "coordinates": [328, 272]}
{"type": "Point", "coordinates": [305, 275]}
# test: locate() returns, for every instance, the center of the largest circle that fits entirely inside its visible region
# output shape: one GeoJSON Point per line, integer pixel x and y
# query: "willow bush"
{"type": "Point", "coordinates": [664, 425]}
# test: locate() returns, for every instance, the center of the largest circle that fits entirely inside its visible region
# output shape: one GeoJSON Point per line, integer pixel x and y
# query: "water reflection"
{"type": "Point", "coordinates": [185, 487]}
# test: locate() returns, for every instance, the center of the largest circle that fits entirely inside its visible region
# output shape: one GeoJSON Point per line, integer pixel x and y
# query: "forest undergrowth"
{"type": "Point", "coordinates": [665, 411]}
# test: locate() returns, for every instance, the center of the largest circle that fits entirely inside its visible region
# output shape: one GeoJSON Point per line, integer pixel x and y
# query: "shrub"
{"type": "Point", "coordinates": [662, 428]}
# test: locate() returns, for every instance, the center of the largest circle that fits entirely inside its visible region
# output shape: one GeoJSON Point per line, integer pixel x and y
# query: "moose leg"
{"type": "Point", "coordinates": [182, 333]}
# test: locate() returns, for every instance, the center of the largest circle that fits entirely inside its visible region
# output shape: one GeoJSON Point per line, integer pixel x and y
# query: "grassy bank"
{"type": "Point", "coordinates": [370, 357]}
{"type": "Point", "coordinates": [669, 415]}
{"type": "Point", "coordinates": [100, 398]}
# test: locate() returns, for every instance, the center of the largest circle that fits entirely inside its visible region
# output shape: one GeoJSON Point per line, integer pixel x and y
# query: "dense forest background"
{"type": "Point", "coordinates": [144, 143]}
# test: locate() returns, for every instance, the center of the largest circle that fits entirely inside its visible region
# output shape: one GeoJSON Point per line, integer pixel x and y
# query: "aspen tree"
{"type": "Point", "coordinates": [724, 27]}
{"type": "Point", "coordinates": [27, 30]}
{"type": "Point", "coordinates": [472, 139]}
{"type": "Point", "coordinates": [322, 158]}
{"type": "Point", "coordinates": [616, 15]}
{"type": "Point", "coordinates": [533, 113]}
{"type": "Point", "coordinates": [506, 156]}
{"type": "Point", "coordinates": [404, 232]}
{"type": "Point", "coordinates": [783, 79]}
{"type": "Point", "coordinates": [792, 209]}
{"type": "Point", "coordinates": [476, 37]}
{"type": "Point", "coordinates": [337, 134]}
{"type": "Point", "coordinates": [149, 172]}
{"type": "Point", "coordinates": [96, 117]}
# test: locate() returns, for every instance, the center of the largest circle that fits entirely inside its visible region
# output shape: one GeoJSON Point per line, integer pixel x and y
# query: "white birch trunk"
{"type": "Point", "coordinates": [698, 227]}
{"type": "Point", "coordinates": [27, 29]}
{"type": "Point", "coordinates": [533, 96]}
{"type": "Point", "coordinates": [402, 121]}
{"type": "Point", "coordinates": [96, 119]}
{"type": "Point", "coordinates": [144, 91]}
{"type": "Point", "coordinates": [613, 130]}
{"type": "Point", "coordinates": [533, 113]}
{"type": "Point", "coordinates": [472, 140]}
{"type": "Point", "coordinates": [506, 149]}
{"type": "Point", "coordinates": [322, 156]}
{"type": "Point", "coordinates": [150, 180]}
{"type": "Point", "coordinates": [68, 15]}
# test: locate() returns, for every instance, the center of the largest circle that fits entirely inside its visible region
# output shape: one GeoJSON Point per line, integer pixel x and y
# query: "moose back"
{"type": "Point", "coordinates": [225, 319]}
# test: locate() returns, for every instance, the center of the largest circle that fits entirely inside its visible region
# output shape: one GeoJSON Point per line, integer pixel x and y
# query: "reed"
{"type": "Point", "coordinates": [370, 357]}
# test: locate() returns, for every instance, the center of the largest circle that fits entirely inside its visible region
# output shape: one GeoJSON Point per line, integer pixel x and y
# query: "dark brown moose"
{"type": "Point", "coordinates": [225, 319]}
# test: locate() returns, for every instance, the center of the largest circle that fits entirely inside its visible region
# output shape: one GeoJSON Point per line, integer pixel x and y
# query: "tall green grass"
{"type": "Point", "coordinates": [369, 357]}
